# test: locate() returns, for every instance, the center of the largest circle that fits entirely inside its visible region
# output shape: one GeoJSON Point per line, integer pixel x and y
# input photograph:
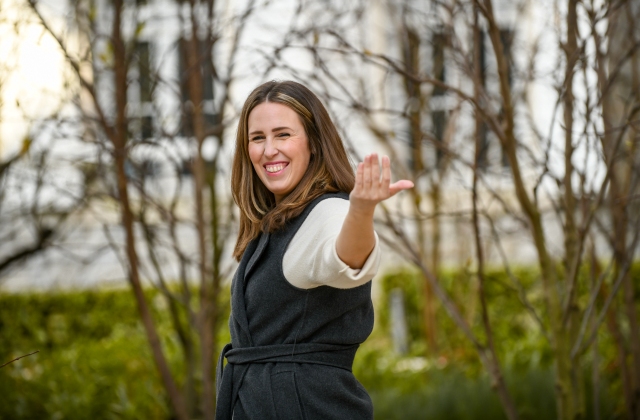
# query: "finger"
{"type": "Point", "coordinates": [396, 187]}
{"type": "Point", "coordinates": [386, 173]}
{"type": "Point", "coordinates": [375, 170]}
{"type": "Point", "coordinates": [366, 181]}
{"type": "Point", "coordinates": [359, 176]}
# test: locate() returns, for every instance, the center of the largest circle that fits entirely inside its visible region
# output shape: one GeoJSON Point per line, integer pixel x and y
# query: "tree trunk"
{"type": "Point", "coordinates": [570, 382]}
{"type": "Point", "coordinates": [620, 88]}
{"type": "Point", "coordinates": [411, 50]}
{"type": "Point", "coordinates": [119, 140]}
{"type": "Point", "coordinates": [493, 364]}
{"type": "Point", "coordinates": [217, 242]}
{"type": "Point", "coordinates": [430, 308]}
{"type": "Point", "coordinates": [197, 59]}
{"type": "Point", "coordinates": [568, 378]}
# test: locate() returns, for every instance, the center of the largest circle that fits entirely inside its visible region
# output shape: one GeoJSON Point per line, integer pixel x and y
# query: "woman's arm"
{"type": "Point", "coordinates": [356, 239]}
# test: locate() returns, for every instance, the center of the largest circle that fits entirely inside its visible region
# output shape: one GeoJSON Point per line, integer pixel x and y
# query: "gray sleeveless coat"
{"type": "Point", "coordinates": [291, 349]}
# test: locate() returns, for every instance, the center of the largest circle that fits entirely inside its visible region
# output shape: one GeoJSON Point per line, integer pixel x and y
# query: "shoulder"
{"type": "Point", "coordinates": [328, 208]}
{"type": "Point", "coordinates": [321, 209]}
{"type": "Point", "coordinates": [323, 221]}
{"type": "Point", "coordinates": [328, 201]}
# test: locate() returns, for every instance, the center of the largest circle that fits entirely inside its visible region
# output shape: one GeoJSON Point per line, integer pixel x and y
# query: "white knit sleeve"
{"type": "Point", "coordinates": [311, 259]}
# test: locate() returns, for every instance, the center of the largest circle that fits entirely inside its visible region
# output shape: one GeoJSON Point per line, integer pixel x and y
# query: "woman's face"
{"type": "Point", "coordinates": [278, 147]}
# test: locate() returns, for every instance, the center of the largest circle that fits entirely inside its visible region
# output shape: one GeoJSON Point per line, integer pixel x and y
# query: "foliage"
{"type": "Point", "coordinates": [94, 361]}
{"type": "Point", "coordinates": [524, 345]}
{"type": "Point", "coordinates": [452, 383]}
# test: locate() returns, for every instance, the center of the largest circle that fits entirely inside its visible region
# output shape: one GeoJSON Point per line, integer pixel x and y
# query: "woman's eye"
{"type": "Point", "coordinates": [257, 138]}
{"type": "Point", "coordinates": [283, 135]}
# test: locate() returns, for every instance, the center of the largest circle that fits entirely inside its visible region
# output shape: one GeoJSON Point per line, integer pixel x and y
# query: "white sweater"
{"type": "Point", "coordinates": [311, 259]}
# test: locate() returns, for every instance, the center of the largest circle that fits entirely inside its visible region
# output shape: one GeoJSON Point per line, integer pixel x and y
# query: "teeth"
{"type": "Point", "coordinates": [275, 168]}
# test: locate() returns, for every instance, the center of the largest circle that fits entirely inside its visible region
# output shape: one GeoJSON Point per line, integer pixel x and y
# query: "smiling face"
{"type": "Point", "coordinates": [278, 147]}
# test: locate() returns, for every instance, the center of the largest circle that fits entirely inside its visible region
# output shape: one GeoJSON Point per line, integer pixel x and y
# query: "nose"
{"type": "Point", "coordinates": [270, 149]}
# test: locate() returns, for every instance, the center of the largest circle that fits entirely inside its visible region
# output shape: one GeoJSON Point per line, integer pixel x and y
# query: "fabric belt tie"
{"type": "Point", "coordinates": [239, 359]}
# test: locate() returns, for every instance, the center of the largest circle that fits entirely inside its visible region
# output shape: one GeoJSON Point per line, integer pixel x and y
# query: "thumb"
{"type": "Point", "coordinates": [396, 187]}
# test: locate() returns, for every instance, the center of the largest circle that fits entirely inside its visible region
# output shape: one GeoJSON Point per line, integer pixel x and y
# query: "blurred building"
{"type": "Point", "coordinates": [428, 128]}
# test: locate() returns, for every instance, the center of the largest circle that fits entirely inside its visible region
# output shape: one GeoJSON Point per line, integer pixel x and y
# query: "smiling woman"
{"type": "Point", "coordinates": [301, 296]}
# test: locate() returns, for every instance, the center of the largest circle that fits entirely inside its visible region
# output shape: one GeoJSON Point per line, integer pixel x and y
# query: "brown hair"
{"type": "Point", "coordinates": [329, 167]}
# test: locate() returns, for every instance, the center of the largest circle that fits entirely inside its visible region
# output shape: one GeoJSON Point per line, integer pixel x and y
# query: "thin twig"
{"type": "Point", "coordinates": [11, 361]}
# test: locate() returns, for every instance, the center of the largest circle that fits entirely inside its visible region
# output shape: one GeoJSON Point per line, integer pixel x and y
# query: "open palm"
{"type": "Point", "coordinates": [372, 186]}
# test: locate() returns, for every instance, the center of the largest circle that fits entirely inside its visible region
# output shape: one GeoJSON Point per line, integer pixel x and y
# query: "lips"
{"type": "Point", "coordinates": [276, 167]}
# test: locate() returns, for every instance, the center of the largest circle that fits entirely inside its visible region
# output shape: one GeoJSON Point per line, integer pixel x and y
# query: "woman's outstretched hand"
{"type": "Point", "coordinates": [372, 186]}
{"type": "Point", "coordinates": [357, 238]}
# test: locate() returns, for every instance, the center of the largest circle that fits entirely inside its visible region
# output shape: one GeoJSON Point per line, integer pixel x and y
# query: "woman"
{"type": "Point", "coordinates": [301, 296]}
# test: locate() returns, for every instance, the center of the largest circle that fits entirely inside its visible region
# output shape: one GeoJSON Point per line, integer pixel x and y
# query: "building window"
{"type": "Point", "coordinates": [483, 134]}
{"type": "Point", "coordinates": [144, 71]}
{"type": "Point", "coordinates": [506, 38]}
{"type": "Point", "coordinates": [487, 140]}
{"type": "Point", "coordinates": [484, 146]}
{"type": "Point", "coordinates": [146, 126]}
{"type": "Point", "coordinates": [439, 124]}
{"type": "Point", "coordinates": [186, 71]}
{"type": "Point", "coordinates": [141, 97]}
{"type": "Point", "coordinates": [413, 105]}
{"type": "Point", "coordinates": [139, 171]}
{"type": "Point", "coordinates": [439, 43]}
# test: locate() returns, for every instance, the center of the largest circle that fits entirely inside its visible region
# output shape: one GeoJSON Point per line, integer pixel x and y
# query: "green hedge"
{"type": "Point", "coordinates": [451, 383]}
{"type": "Point", "coordinates": [94, 361]}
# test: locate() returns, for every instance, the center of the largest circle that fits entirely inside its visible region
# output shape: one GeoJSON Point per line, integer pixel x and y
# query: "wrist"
{"type": "Point", "coordinates": [360, 211]}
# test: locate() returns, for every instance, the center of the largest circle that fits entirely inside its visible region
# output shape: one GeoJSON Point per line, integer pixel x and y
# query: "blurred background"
{"type": "Point", "coordinates": [510, 284]}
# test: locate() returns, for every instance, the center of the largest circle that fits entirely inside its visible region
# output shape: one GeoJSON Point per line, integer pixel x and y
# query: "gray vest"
{"type": "Point", "coordinates": [291, 349]}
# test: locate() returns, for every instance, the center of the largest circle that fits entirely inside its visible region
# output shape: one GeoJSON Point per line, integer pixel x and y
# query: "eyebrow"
{"type": "Point", "coordinates": [273, 131]}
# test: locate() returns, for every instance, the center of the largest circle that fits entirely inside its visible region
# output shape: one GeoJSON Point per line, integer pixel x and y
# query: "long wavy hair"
{"type": "Point", "coordinates": [329, 169]}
